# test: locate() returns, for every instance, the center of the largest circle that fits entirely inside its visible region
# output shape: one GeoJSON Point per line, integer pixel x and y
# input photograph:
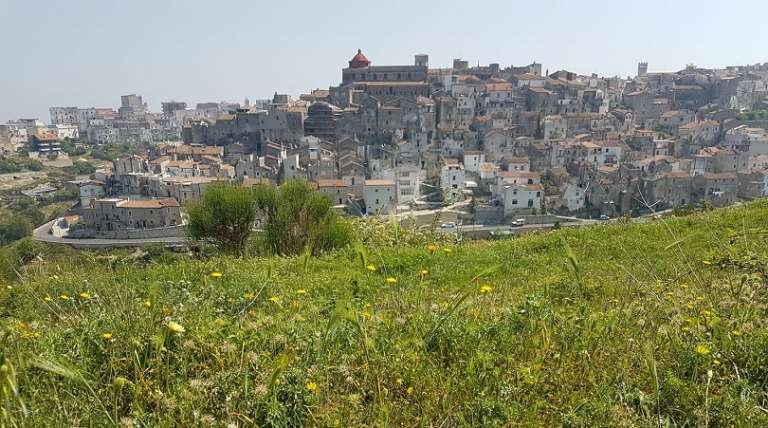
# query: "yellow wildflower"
{"type": "Point", "coordinates": [48, 298]}
{"type": "Point", "coordinates": [485, 289]}
{"type": "Point", "coordinates": [424, 273]}
{"type": "Point", "coordinates": [216, 274]}
{"type": "Point", "coordinates": [391, 280]}
{"type": "Point", "coordinates": [447, 250]}
{"type": "Point", "coordinates": [399, 381]}
{"type": "Point", "coordinates": [702, 349]}
{"type": "Point", "coordinates": [716, 362]}
{"type": "Point", "coordinates": [736, 333]}
{"type": "Point", "coordinates": [371, 268]}
{"type": "Point", "coordinates": [706, 262]}
{"type": "Point", "coordinates": [301, 291]}
{"type": "Point", "coordinates": [64, 297]}
{"type": "Point", "coordinates": [684, 286]}
{"type": "Point", "coordinates": [175, 327]}
{"type": "Point", "coordinates": [147, 304]}
{"type": "Point", "coordinates": [249, 296]}
{"type": "Point", "coordinates": [409, 391]}
{"type": "Point", "coordinates": [311, 386]}
{"type": "Point", "coordinates": [274, 299]}
{"type": "Point", "coordinates": [106, 336]}
{"type": "Point", "coordinates": [84, 295]}
{"type": "Point", "coordinates": [432, 248]}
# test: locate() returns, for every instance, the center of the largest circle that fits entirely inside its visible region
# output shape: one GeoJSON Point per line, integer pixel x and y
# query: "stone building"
{"type": "Point", "coordinates": [121, 214]}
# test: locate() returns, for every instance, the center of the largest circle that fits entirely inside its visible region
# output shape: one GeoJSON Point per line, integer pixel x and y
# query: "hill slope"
{"type": "Point", "coordinates": [615, 325]}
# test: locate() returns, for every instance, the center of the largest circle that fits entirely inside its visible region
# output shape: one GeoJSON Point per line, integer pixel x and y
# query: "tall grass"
{"type": "Point", "coordinates": [658, 324]}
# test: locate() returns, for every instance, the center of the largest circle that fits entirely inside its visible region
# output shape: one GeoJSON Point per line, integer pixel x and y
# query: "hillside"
{"type": "Point", "coordinates": [653, 324]}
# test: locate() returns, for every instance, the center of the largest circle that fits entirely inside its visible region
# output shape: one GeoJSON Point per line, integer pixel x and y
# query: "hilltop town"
{"type": "Point", "coordinates": [494, 142]}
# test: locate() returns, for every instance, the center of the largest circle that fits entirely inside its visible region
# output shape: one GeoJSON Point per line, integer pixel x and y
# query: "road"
{"type": "Point", "coordinates": [43, 234]}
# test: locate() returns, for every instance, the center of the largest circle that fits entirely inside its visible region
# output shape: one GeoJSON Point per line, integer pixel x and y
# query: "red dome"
{"type": "Point", "coordinates": [359, 61]}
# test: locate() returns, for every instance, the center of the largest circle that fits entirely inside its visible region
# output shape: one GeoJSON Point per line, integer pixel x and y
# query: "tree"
{"type": "Point", "coordinates": [224, 216]}
{"type": "Point", "coordinates": [297, 218]}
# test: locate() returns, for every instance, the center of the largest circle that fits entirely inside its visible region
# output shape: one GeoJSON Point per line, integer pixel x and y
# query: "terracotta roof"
{"type": "Point", "coordinates": [528, 76]}
{"type": "Point", "coordinates": [148, 203]}
{"type": "Point", "coordinates": [331, 183]}
{"type": "Point", "coordinates": [379, 183]}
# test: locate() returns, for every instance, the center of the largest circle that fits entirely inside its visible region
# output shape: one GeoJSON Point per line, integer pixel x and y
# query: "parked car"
{"type": "Point", "coordinates": [518, 222]}
{"type": "Point", "coordinates": [450, 225]}
{"type": "Point", "coordinates": [604, 218]}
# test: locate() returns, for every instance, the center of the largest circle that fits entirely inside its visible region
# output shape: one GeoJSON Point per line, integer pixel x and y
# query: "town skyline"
{"type": "Point", "coordinates": [198, 55]}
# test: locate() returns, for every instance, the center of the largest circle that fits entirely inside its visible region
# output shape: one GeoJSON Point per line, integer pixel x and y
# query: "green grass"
{"type": "Point", "coordinates": [658, 324]}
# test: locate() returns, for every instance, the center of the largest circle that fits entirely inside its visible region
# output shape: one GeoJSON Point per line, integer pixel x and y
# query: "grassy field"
{"type": "Point", "coordinates": [657, 324]}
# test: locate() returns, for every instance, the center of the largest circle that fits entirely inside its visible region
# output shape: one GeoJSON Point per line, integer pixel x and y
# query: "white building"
{"type": "Point", "coordinates": [452, 177]}
{"type": "Point", "coordinates": [472, 160]}
{"type": "Point", "coordinates": [380, 196]}
{"type": "Point", "coordinates": [522, 198]}
{"type": "Point", "coordinates": [573, 197]}
{"type": "Point", "coordinates": [64, 131]}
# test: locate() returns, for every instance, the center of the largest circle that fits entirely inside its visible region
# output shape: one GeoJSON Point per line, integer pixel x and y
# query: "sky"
{"type": "Point", "coordinates": [87, 53]}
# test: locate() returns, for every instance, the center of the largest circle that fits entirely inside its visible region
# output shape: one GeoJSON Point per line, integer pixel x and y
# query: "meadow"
{"type": "Point", "coordinates": [635, 325]}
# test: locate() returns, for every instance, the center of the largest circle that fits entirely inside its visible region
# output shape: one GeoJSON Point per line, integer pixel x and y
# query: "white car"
{"type": "Point", "coordinates": [448, 225]}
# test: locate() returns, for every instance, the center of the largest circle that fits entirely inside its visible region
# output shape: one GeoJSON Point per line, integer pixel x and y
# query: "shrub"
{"type": "Point", "coordinates": [224, 216]}
{"type": "Point", "coordinates": [296, 218]}
{"type": "Point", "coordinates": [14, 228]}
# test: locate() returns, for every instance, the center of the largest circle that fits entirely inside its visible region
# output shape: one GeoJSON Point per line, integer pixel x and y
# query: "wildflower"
{"type": "Point", "coordinates": [684, 286]}
{"type": "Point", "coordinates": [216, 274]}
{"type": "Point", "coordinates": [702, 349]}
{"type": "Point", "coordinates": [423, 273]}
{"type": "Point", "coordinates": [64, 297]}
{"type": "Point", "coordinates": [106, 336]}
{"type": "Point", "coordinates": [366, 314]}
{"type": "Point", "coordinates": [736, 333]}
{"type": "Point", "coordinates": [274, 299]}
{"type": "Point", "coordinates": [48, 298]}
{"type": "Point", "coordinates": [147, 304]}
{"type": "Point", "coordinates": [311, 386]}
{"type": "Point", "coordinates": [371, 268]}
{"type": "Point", "coordinates": [447, 250]}
{"type": "Point", "coordinates": [432, 248]}
{"type": "Point", "coordinates": [301, 291]}
{"type": "Point", "coordinates": [84, 295]}
{"type": "Point", "coordinates": [391, 280]}
{"type": "Point", "coordinates": [409, 391]}
{"type": "Point", "coordinates": [399, 381]}
{"type": "Point", "coordinates": [175, 327]}
{"type": "Point", "coordinates": [706, 262]}
{"type": "Point", "coordinates": [249, 296]}
{"type": "Point", "coordinates": [485, 289]}
{"type": "Point", "coordinates": [716, 362]}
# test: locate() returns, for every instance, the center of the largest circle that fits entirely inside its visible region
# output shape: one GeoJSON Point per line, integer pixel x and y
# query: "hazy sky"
{"type": "Point", "coordinates": [89, 52]}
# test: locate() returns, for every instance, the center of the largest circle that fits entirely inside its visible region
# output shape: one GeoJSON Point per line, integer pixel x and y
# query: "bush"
{"type": "Point", "coordinates": [297, 218]}
{"type": "Point", "coordinates": [14, 228]}
{"type": "Point", "coordinates": [81, 168]}
{"type": "Point", "coordinates": [224, 216]}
